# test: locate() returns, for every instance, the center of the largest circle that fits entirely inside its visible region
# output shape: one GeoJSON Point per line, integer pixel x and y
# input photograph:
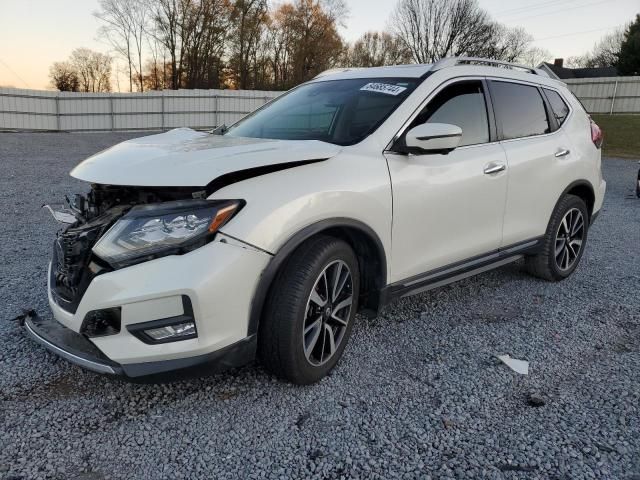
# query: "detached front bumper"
{"type": "Point", "coordinates": [77, 349]}
{"type": "Point", "coordinates": [218, 280]}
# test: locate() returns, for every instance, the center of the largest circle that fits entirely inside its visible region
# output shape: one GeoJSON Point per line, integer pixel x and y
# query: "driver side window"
{"type": "Point", "coordinates": [461, 104]}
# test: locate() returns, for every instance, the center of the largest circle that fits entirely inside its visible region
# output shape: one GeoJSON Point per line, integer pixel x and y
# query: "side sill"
{"type": "Point", "coordinates": [459, 270]}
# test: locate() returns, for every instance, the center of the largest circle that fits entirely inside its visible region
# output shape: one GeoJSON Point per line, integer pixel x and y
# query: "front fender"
{"type": "Point", "coordinates": [283, 203]}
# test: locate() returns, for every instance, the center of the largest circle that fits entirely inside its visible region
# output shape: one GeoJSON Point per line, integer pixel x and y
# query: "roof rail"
{"type": "Point", "coordinates": [453, 61]}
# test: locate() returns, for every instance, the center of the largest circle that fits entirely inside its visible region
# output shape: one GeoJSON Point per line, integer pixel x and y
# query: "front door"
{"type": "Point", "coordinates": [449, 207]}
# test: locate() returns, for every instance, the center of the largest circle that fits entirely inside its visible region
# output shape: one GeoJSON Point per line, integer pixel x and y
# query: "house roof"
{"type": "Point", "coordinates": [565, 73]}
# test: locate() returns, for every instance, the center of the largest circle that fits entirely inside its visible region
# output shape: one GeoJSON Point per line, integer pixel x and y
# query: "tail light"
{"type": "Point", "coordinates": [596, 134]}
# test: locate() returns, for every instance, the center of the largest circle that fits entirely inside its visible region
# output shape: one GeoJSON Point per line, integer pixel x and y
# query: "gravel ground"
{"type": "Point", "coordinates": [418, 394]}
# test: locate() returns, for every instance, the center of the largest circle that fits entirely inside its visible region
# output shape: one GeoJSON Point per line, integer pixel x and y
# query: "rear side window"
{"type": "Point", "coordinates": [558, 106]}
{"type": "Point", "coordinates": [463, 105]}
{"type": "Point", "coordinates": [519, 109]}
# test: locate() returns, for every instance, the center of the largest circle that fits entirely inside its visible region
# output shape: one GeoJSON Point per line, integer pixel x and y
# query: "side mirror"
{"type": "Point", "coordinates": [433, 138]}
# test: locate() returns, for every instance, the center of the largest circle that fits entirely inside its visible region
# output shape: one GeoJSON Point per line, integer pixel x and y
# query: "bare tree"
{"type": "Point", "coordinates": [204, 31]}
{"type": "Point", "coordinates": [317, 45]}
{"type": "Point", "coordinates": [93, 70]}
{"type": "Point", "coordinates": [503, 43]}
{"type": "Point", "coordinates": [278, 41]}
{"type": "Point", "coordinates": [126, 28]}
{"type": "Point", "coordinates": [432, 29]}
{"type": "Point", "coordinates": [375, 49]}
{"type": "Point", "coordinates": [248, 21]}
{"type": "Point", "coordinates": [166, 17]}
{"type": "Point", "coordinates": [534, 56]}
{"type": "Point", "coordinates": [252, 44]}
{"type": "Point", "coordinates": [64, 77]}
{"type": "Point", "coordinates": [171, 29]}
{"type": "Point", "coordinates": [153, 75]}
{"type": "Point", "coordinates": [118, 30]}
{"type": "Point", "coordinates": [156, 75]}
{"type": "Point", "coordinates": [139, 10]}
{"type": "Point", "coordinates": [606, 52]}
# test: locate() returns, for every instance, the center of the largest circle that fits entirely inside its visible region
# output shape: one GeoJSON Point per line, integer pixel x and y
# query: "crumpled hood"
{"type": "Point", "coordinates": [186, 158]}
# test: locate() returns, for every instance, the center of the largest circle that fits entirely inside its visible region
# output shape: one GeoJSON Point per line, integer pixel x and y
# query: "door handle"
{"type": "Point", "coordinates": [492, 168]}
{"type": "Point", "coordinates": [562, 153]}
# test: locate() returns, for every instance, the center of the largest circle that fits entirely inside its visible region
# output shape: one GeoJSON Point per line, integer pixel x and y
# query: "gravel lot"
{"type": "Point", "coordinates": [419, 393]}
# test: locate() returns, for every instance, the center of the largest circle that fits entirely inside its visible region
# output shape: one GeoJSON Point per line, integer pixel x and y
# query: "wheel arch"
{"type": "Point", "coordinates": [584, 190]}
{"type": "Point", "coordinates": [367, 246]}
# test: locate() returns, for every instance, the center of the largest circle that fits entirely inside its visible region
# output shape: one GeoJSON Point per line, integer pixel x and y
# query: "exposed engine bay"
{"type": "Point", "coordinates": [88, 217]}
{"type": "Point", "coordinates": [102, 198]}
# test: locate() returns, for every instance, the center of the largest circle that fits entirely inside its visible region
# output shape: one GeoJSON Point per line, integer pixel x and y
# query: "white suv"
{"type": "Point", "coordinates": [195, 251]}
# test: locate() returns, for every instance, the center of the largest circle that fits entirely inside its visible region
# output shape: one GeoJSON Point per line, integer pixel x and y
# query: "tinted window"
{"type": "Point", "coordinates": [559, 108]}
{"type": "Point", "coordinates": [343, 112]}
{"type": "Point", "coordinates": [519, 109]}
{"type": "Point", "coordinates": [463, 105]}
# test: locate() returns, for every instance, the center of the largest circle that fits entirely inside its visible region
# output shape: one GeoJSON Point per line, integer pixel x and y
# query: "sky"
{"type": "Point", "coordinates": [36, 33]}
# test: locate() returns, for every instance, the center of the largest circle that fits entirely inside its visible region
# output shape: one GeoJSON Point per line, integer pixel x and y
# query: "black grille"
{"type": "Point", "coordinates": [73, 265]}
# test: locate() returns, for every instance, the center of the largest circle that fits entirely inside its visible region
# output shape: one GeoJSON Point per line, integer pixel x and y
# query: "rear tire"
{"type": "Point", "coordinates": [310, 311]}
{"type": "Point", "coordinates": [564, 241]}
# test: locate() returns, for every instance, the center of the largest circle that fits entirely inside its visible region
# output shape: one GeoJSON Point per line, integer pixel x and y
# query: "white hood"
{"type": "Point", "coordinates": [186, 158]}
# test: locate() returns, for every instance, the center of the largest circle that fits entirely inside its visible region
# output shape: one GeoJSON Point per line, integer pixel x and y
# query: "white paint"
{"type": "Point", "coordinates": [184, 157]}
{"type": "Point", "coordinates": [441, 209]}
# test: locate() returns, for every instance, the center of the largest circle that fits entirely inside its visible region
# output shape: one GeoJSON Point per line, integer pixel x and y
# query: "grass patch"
{"type": "Point", "coordinates": [621, 135]}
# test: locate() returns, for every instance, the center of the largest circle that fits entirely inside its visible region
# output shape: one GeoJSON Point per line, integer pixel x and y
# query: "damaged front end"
{"type": "Point", "coordinates": [112, 319]}
{"type": "Point", "coordinates": [144, 217]}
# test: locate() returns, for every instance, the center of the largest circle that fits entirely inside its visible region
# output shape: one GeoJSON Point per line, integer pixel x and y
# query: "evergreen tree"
{"type": "Point", "coordinates": [629, 56]}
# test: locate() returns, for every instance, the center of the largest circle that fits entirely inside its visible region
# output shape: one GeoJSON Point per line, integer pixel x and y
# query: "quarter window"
{"type": "Point", "coordinates": [558, 105]}
{"type": "Point", "coordinates": [519, 109]}
{"type": "Point", "coordinates": [461, 104]}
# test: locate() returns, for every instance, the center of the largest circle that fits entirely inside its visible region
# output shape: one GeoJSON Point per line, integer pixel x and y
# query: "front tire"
{"type": "Point", "coordinates": [310, 311]}
{"type": "Point", "coordinates": [564, 241]}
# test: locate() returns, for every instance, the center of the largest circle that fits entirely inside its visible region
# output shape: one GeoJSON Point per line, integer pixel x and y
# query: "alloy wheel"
{"type": "Point", "coordinates": [569, 239]}
{"type": "Point", "coordinates": [327, 313]}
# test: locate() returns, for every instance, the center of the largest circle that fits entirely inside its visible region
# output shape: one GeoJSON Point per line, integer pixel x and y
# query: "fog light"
{"type": "Point", "coordinates": [165, 330]}
{"type": "Point", "coordinates": [187, 329]}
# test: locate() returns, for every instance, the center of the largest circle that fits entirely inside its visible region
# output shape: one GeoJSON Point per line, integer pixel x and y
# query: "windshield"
{"type": "Point", "coordinates": [342, 112]}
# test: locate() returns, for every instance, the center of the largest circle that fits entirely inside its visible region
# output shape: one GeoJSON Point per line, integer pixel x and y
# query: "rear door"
{"type": "Point", "coordinates": [535, 148]}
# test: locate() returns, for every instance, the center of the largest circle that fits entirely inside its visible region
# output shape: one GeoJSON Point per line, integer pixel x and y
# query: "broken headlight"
{"type": "Point", "coordinates": [169, 228]}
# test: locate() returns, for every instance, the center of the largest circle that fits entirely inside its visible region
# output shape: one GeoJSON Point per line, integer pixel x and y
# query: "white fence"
{"type": "Point", "coordinates": [42, 110]}
{"type": "Point", "coordinates": [66, 111]}
{"type": "Point", "coordinates": [607, 95]}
